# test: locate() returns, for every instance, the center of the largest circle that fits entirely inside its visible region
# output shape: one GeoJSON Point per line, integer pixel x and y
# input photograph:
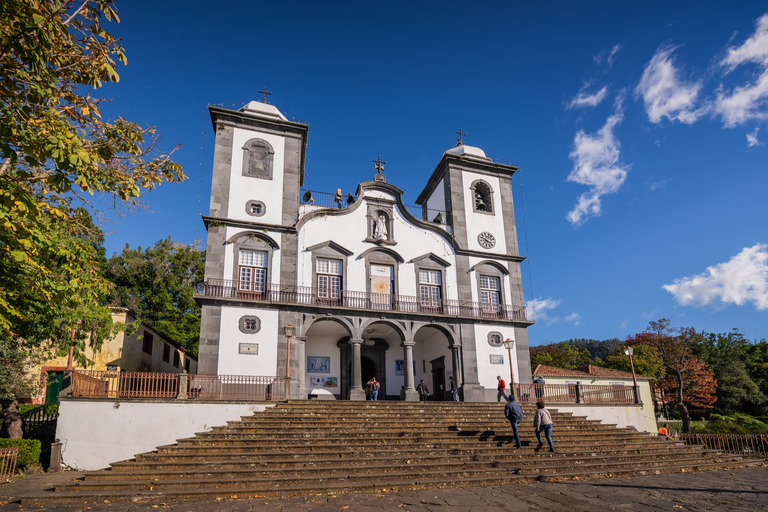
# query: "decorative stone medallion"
{"type": "Point", "coordinates": [486, 240]}
{"type": "Point", "coordinates": [249, 324]}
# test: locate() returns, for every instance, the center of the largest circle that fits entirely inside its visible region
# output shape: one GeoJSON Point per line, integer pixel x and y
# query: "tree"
{"type": "Point", "coordinates": [688, 380]}
{"type": "Point", "coordinates": [561, 355]}
{"type": "Point", "coordinates": [15, 380]}
{"type": "Point", "coordinates": [158, 284]}
{"type": "Point", "coordinates": [645, 357]}
{"type": "Point", "coordinates": [55, 153]}
{"type": "Point", "coordinates": [731, 357]}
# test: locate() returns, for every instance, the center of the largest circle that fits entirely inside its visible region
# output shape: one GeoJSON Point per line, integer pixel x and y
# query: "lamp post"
{"type": "Point", "coordinates": [629, 351]}
{"type": "Point", "coordinates": [288, 335]}
{"type": "Point", "coordinates": [510, 343]}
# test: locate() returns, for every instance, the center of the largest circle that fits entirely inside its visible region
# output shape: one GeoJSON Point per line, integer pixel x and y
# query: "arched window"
{"type": "Point", "coordinates": [482, 197]}
{"type": "Point", "coordinates": [257, 159]}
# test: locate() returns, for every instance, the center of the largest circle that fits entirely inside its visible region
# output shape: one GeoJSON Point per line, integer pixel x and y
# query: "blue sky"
{"type": "Point", "coordinates": [640, 131]}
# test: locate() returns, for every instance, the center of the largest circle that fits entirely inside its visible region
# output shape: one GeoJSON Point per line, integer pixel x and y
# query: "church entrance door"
{"type": "Point", "coordinates": [368, 370]}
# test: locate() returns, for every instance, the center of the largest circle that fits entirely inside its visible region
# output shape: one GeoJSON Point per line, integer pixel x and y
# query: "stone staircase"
{"type": "Point", "coordinates": [309, 447]}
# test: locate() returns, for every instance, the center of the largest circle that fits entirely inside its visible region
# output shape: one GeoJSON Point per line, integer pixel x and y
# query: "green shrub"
{"type": "Point", "coordinates": [29, 451]}
{"type": "Point", "coordinates": [30, 409]}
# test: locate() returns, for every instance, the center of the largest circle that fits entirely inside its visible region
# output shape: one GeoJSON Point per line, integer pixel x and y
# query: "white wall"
{"type": "Point", "coordinates": [325, 347]}
{"type": "Point", "coordinates": [479, 222]}
{"type": "Point", "coordinates": [243, 188]}
{"type": "Point", "coordinates": [95, 433]}
{"type": "Point", "coordinates": [486, 371]}
{"type": "Point", "coordinates": [233, 363]}
{"type": "Point", "coordinates": [349, 230]}
{"type": "Point", "coordinates": [621, 416]}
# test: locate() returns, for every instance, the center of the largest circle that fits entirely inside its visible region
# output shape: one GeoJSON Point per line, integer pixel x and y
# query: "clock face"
{"type": "Point", "coordinates": [486, 240]}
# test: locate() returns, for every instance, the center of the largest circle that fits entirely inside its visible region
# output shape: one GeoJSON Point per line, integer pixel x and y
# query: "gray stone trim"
{"type": "Point", "coordinates": [215, 252]}
{"type": "Point", "coordinates": [485, 254]}
{"type": "Point", "coordinates": [449, 162]}
{"type": "Point", "coordinates": [492, 335]}
{"type": "Point", "coordinates": [473, 189]}
{"type": "Point", "coordinates": [209, 221]}
{"type": "Point", "coordinates": [432, 257]}
{"type": "Point", "coordinates": [241, 324]}
{"type": "Point", "coordinates": [251, 241]}
{"type": "Point", "coordinates": [210, 329]}
{"type": "Point", "coordinates": [508, 214]}
{"type": "Point", "coordinates": [382, 256]}
{"type": "Point", "coordinates": [501, 268]}
{"type": "Point", "coordinates": [222, 167]}
{"type": "Point", "coordinates": [523, 355]}
{"type": "Point", "coordinates": [251, 149]}
{"type": "Point", "coordinates": [332, 251]}
{"type": "Point", "coordinates": [240, 237]}
{"type": "Point", "coordinates": [249, 207]}
{"type": "Point", "coordinates": [492, 270]}
{"type": "Point", "coordinates": [463, 278]}
{"type": "Point", "coordinates": [455, 202]}
{"type": "Point", "coordinates": [427, 262]}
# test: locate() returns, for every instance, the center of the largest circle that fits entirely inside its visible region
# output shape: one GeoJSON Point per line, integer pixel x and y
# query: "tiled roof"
{"type": "Point", "coordinates": [585, 371]}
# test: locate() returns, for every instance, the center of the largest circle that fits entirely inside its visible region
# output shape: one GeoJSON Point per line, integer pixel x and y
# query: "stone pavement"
{"type": "Point", "coordinates": [741, 489]}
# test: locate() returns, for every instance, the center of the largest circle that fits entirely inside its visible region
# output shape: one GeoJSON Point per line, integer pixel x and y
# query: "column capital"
{"type": "Point", "coordinates": [407, 343]}
{"type": "Point", "coordinates": [355, 342]}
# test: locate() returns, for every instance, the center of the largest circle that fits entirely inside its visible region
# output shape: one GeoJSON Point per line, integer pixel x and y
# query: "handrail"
{"type": "Point", "coordinates": [228, 289]}
{"type": "Point", "coordinates": [574, 394]}
{"type": "Point", "coordinates": [329, 200]}
{"type": "Point", "coordinates": [747, 445]}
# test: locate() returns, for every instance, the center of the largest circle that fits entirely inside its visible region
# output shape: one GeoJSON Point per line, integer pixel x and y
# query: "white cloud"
{"type": "Point", "coordinates": [746, 102]}
{"type": "Point", "coordinates": [608, 56]}
{"type": "Point", "coordinates": [752, 139]}
{"type": "Point", "coordinates": [596, 165]}
{"type": "Point", "coordinates": [536, 309]}
{"type": "Point", "coordinates": [742, 279]}
{"type": "Point", "coordinates": [573, 317]}
{"type": "Point", "coordinates": [654, 184]}
{"type": "Point", "coordinates": [584, 99]}
{"type": "Point", "coordinates": [623, 325]}
{"type": "Point", "coordinates": [665, 93]}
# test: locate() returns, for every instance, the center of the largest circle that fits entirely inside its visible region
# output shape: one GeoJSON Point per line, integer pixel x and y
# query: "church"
{"type": "Point", "coordinates": [331, 290]}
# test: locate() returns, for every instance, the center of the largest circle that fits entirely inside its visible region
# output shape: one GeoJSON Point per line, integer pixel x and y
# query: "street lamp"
{"type": "Point", "coordinates": [629, 351]}
{"type": "Point", "coordinates": [510, 343]}
{"type": "Point", "coordinates": [288, 334]}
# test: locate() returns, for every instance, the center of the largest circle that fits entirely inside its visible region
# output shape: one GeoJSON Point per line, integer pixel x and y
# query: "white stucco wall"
{"type": "Point", "coordinates": [486, 371]}
{"type": "Point", "coordinates": [325, 347]}
{"type": "Point", "coordinates": [95, 433]}
{"type": "Point", "coordinates": [243, 188]}
{"type": "Point", "coordinates": [648, 423]}
{"type": "Point", "coordinates": [621, 416]}
{"type": "Point", "coordinates": [479, 222]}
{"type": "Point", "coordinates": [233, 363]}
{"type": "Point", "coordinates": [349, 230]}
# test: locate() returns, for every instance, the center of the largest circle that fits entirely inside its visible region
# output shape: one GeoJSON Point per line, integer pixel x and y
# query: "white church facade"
{"type": "Point", "coordinates": [370, 287]}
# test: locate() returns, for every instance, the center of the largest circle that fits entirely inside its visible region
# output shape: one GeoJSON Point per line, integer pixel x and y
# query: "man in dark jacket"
{"type": "Point", "coordinates": [514, 414]}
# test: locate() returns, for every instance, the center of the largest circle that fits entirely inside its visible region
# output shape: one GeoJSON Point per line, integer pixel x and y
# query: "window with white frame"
{"type": "Point", "coordinates": [490, 293]}
{"type": "Point", "coordinates": [328, 278]}
{"type": "Point", "coordinates": [253, 270]}
{"type": "Point", "coordinates": [430, 282]}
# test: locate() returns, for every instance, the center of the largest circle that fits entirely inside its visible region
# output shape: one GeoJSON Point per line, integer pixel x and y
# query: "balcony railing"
{"type": "Point", "coordinates": [306, 296]}
{"type": "Point", "coordinates": [118, 384]}
{"type": "Point", "coordinates": [747, 445]}
{"type": "Point", "coordinates": [574, 394]}
{"type": "Point", "coordinates": [328, 200]}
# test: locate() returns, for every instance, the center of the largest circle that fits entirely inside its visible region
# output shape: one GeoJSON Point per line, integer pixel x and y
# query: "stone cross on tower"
{"type": "Point", "coordinates": [378, 164]}
{"type": "Point", "coordinates": [264, 92]}
{"type": "Point", "coordinates": [461, 135]}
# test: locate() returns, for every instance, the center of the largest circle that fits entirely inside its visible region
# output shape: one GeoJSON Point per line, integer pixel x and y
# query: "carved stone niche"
{"type": "Point", "coordinates": [380, 221]}
{"type": "Point", "coordinates": [257, 159]}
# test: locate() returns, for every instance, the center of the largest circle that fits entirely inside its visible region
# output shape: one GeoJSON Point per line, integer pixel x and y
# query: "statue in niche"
{"type": "Point", "coordinates": [380, 227]}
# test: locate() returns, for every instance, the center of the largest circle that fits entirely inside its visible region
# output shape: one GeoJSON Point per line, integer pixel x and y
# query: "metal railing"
{"type": "Point", "coordinates": [8, 457]}
{"type": "Point", "coordinates": [117, 384]}
{"type": "Point", "coordinates": [228, 289]}
{"type": "Point", "coordinates": [574, 394]}
{"type": "Point", "coordinates": [747, 445]}
{"type": "Point", "coordinates": [328, 200]}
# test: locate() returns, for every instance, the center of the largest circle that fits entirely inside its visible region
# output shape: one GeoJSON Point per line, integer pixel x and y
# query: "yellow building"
{"type": "Point", "coordinates": [144, 350]}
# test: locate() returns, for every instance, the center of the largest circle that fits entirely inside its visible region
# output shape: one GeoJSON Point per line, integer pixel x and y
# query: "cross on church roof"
{"type": "Point", "coordinates": [264, 92]}
{"type": "Point", "coordinates": [461, 135]}
{"type": "Point", "coordinates": [378, 164]}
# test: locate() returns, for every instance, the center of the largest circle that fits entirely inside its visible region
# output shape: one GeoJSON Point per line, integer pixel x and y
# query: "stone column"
{"type": "Point", "coordinates": [411, 395]}
{"type": "Point", "coordinates": [302, 342]}
{"type": "Point", "coordinates": [356, 389]}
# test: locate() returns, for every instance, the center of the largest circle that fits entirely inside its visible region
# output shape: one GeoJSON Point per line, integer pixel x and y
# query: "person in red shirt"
{"type": "Point", "coordinates": [501, 386]}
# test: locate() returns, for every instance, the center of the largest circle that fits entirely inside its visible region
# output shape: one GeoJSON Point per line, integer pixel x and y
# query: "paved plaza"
{"type": "Point", "coordinates": [741, 489]}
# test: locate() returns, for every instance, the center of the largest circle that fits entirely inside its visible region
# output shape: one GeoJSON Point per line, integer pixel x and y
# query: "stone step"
{"type": "Point", "coordinates": [279, 478]}
{"type": "Point", "coordinates": [222, 468]}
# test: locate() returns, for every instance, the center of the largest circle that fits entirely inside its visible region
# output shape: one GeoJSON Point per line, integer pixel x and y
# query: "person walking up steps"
{"type": "Point", "coordinates": [423, 390]}
{"type": "Point", "coordinates": [374, 386]}
{"type": "Point", "coordinates": [454, 390]}
{"type": "Point", "coordinates": [500, 386]}
{"type": "Point", "coordinates": [514, 413]}
{"type": "Point", "coordinates": [542, 422]}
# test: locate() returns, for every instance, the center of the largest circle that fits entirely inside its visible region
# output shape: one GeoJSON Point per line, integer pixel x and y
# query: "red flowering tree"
{"type": "Point", "coordinates": [687, 380]}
